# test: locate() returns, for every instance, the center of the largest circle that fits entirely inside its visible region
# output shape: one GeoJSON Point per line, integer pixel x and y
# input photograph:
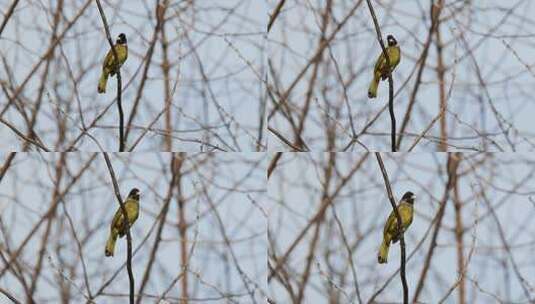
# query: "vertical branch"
{"type": "Point", "coordinates": [118, 72]}
{"type": "Point", "coordinates": [443, 145]}
{"type": "Point", "coordinates": [182, 227]}
{"type": "Point", "coordinates": [398, 219]}
{"type": "Point", "coordinates": [390, 79]}
{"type": "Point", "coordinates": [125, 223]}
{"type": "Point", "coordinates": [49, 220]}
{"type": "Point", "coordinates": [459, 231]}
{"type": "Point", "coordinates": [262, 106]}
{"type": "Point", "coordinates": [328, 173]}
{"type": "Point", "coordinates": [452, 165]}
{"type": "Point", "coordinates": [176, 164]}
{"type": "Point", "coordinates": [313, 78]}
{"type": "Point", "coordinates": [160, 11]}
{"type": "Point", "coordinates": [391, 111]}
{"type": "Point", "coordinates": [44, 78]}
{"type": "Point", "coordinates": [436, 9]}
{"type": "Point", "coordinates": [349, 254]}
{"type": "Point", "coordinates": [166, 66]}
{"type": "Point", "coordinates": [121, 113]}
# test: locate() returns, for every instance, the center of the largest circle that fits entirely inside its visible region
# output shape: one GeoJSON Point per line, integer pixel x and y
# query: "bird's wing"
{"type": "Point", "coordinates": [405, 212]}
{"type": "Point", "coordinates": [393, 56]}
{"type": "Point", "coordinates": [381, 60]}
{"type": "Point", "coordinates": [122, 54]}
{"type": "Point", "coordinates": [391, 223]}
{"type": "Point", "coordinates": [108, 60]}
{"type": "Point", "coordinates": [117, 221]}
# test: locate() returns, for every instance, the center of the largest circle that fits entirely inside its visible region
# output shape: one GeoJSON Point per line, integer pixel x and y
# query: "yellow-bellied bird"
{"type": "Point", "coordinates": [380, 72]}
{"type": "Point", "coordinates": [117, 227]}
{"type": "Point", "coordinates": [390, 232]}
{"type": "Point", "coordinates": [109, 66]}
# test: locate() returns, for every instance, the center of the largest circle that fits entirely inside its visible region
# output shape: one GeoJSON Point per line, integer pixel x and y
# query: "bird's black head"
{"type": "Point", "coordinates": [408, 197]}
{"type": "Point", "coordinates": [121, 39]}
{"type": "Point", "coordinates": [134, 193]}
{"type": "Point", "coordinates": [391, 40]}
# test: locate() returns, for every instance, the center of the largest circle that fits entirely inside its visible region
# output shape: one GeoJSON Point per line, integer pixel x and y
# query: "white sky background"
{"type": "Point", "coordinates": [488, 27]}
{"type": "Point", "coordinates": [294, 192]}
{"type": "Point", "coordinates": [232, 80]}
{"type": "Point", "coordinates": [92, 205]}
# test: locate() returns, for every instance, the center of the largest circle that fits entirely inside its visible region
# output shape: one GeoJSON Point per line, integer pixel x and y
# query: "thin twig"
{"type": "Point", "coordinates": [349, 253]}
{"type": "Point", "coordinates": [275, 14]}
{"type": "Point", "coordinates": [273, 163]}
{"type": "Point", "coordinates": [436, 8]}
{"type": "Point", "coordinates": [10, 296]}
{"type": "Point", "coordinates": [6, 165]}
{"type": "Point", "coordinates": [8, 15]}
{"type": "Point", "coordinates": [36, 142]}
{"type": "Point", "coordinates": [176, 164]}
{"type": "Point", "coordinates": [452, 165]}
{"type": "Point", "coordinates": [159, 12]}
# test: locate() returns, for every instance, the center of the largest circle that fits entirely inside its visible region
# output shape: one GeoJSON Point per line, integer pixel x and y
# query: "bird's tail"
{"type": "Point", "coordinates": [110, 244]}
{"type": "Point", "coordinates": [103, 81]}
{"type": "Point", "coordinates": [372, 90]}
{"type": "Point", "coordinates": [383, 252]}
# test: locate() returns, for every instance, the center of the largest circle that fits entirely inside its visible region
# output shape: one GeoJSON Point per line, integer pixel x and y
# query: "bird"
{"type": "Point", "coordinates": [109, 66]}
{"type": "Point", "coordinates": [390, 233]}
{"type": "Point", "coordinates": [117, 227]}
{"type": "Point", "coordinates": [380, 72]}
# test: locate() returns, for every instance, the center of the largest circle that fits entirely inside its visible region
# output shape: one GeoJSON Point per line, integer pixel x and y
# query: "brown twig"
{"type": "Point", "coordinates": [166, 67]}
{"type": "Point", "coordinates": [49, 220]}
{"type": "Point", "coordinates": [441, 71]}
{"type": "Point", "coordinates": [459, 232]}
{"type": "Point", "coordinates": [275, 14]}
{"type": "Point", "coordinates": [176, 164]}
{"type": "Point", "coordinates": [452, 165]}
{"type": "Point", "coordinates": [273, 164]}
{"type": "Point", "coordinates": [280, 261]}
{"type": "Point", "coordinates": [14, 255]}
{"type": "Point", "coordinates": [36, 142]}
{"type": "Point", "coordinates": [159, 12]}
{"type": "Point", "coordinates": [349, 254]}
{"type": "Point", "coordinates": [183, 225]}
{"type": "Point", "coordinates": [285, 140]}
{"type": "Point", "coordinates": [10, 296]}
{"type": "Point", "coordinates": [283, 97]}
{"type": "Point", "coordinates": [8, 15]}
{"type": "Point", "coordinates": [43, 57]}
{"type": "Point", "coordinates": [436, 8]}
{"type": "Point", "coordinates": [6, 165]}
